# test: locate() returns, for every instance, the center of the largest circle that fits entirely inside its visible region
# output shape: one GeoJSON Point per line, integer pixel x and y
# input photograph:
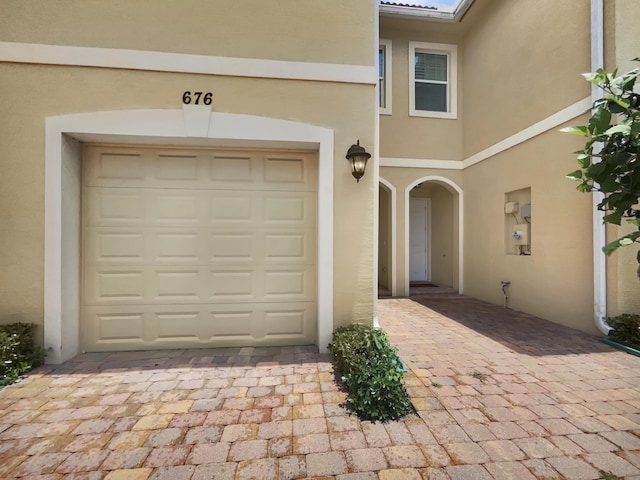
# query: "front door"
{"type": "Point", "coordinates": [419, 239]}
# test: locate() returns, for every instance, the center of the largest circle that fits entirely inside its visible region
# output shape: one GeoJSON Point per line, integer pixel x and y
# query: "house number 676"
{"type": "Point", "coordinates": [197, 98]}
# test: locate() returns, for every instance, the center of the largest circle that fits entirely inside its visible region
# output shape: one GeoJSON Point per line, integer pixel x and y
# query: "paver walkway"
{"type": "Point", "coordinates": [498, 394]}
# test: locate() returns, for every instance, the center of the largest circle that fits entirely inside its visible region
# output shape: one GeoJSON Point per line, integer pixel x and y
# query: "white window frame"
{"type": "Point", "coordinates": [451, 51]}
{"type": "Point", "coordinates": [386, 45]}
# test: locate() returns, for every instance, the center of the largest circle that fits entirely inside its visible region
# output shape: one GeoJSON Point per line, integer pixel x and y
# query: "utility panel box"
{"type": "Point", "coordinates": [511, 207]}
{"type": "Point", "coordinates": [520, 234]}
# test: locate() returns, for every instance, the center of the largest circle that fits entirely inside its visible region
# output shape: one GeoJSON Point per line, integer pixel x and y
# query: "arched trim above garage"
{"type": "Point", "coordinates": [191, 125]}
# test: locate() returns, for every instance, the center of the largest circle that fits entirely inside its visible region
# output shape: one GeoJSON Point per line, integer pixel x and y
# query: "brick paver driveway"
{"type": "Point", "coordinates": [498, 394]}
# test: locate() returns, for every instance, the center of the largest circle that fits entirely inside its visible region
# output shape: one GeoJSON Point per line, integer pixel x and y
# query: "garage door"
{"type": "Point", "coordinates": [198, 248]}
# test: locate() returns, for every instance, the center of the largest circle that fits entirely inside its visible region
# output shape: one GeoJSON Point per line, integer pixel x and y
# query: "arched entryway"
{"type": "Point", "coordinates": [433, 234]}
{"type": "Point", "coordinates": [386, 239]}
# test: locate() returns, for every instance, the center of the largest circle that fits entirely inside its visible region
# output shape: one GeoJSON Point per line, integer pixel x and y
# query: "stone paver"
{"type": "Point", "coordinates": [498, 395]}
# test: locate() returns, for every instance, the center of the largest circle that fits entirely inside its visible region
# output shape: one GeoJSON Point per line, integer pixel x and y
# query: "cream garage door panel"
{"type": "Point", "coordinates": [238, 170]}
{"type": "Point", "coordinates": [119, 328]}
{"type": "Point", "coordinates": [198, 248]}
{"type": "Point", "coordinates": [170, 285]}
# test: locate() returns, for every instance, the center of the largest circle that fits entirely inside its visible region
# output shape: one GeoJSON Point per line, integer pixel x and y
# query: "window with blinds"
{"type": "Point", "coordinates": [432, 84]}
{"type": "Point", "coordinates": [384, 76]}
{"type": "Point", "coordinates": [381, 74]}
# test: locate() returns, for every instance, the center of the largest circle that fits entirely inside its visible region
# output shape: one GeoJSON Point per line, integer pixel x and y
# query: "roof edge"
{"type": "Point", "coordinates": [426, 13]}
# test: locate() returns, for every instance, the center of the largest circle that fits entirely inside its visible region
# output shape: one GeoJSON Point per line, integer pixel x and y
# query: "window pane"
{"type": "Point", "coordinates": [430, 66]}
{"type": "Point", "coordinates": [431, 97]}
{"type": "Point", "coordinates": [381, 77]}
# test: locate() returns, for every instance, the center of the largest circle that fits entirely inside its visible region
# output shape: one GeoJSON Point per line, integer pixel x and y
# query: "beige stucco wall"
{"type": "Point", "coordinates": [556, 281]}
{"type": "Point", "coordinates": [444, 213]}
{"type": "Point", "coordinates": [522, 62]}
{"type": "Point", "coordinates": [623, 283]}
{"type": "Point", "coordinates": [348, 109]}
{"type": "Point", "coordinates": [416, 137]}
{"type": "Point", "coordinates": [304, 30]}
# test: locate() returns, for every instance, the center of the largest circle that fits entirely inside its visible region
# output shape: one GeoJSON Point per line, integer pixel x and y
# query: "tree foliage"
{"type": "Point", "coordinates": [609, 161]}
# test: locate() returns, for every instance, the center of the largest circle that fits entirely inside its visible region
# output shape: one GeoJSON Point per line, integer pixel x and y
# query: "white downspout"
{"type": "Point", "coordinates": [376, 168]}
{"type": "Point", "coordinates": [599, 233]}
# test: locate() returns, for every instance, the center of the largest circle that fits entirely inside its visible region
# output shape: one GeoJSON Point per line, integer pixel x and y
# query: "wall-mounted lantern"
{"type": "Point", "coordinates": [357, 157]}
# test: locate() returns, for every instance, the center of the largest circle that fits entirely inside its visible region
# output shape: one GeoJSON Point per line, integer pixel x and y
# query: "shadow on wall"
{"type": "Point", "coordinates": [518, 331]}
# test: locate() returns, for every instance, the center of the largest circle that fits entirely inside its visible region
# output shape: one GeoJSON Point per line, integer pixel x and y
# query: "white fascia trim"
{"type": "Point", "coordinates": [553, 121]}
{"type": "Point", "coordinates": [456, 187]}
{"type": "Point", "coordinates": [427, 13]}
{"type": "Point", "coordinates": [32, 53]}
{"type": "Point", "coordinates": [420, 163]}
{"type": "Point", "coordinates": [461, 9]}
{"type": "Point", "coordinates": [394, 233]}
{"type": "Point", "coordinates": [415, 12]}
{"type": "Point", "coordinates": [599, 231]}
{"type": "Point", "coordinates": [150, 127]}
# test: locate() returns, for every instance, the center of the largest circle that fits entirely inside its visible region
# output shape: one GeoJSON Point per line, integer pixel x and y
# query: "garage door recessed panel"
{"type": "Point", "coordinates": [176, 167]}
{"type": "Point", "coordinates": [178, 326]}
{"type": "Point", "coordinates": [176, 247]}
{"type": "Point", "coordinates": [177, 285]}
{"type": "Point", "coordinates": [281, 283]}
{"type": "Point", "coordinates": [229, 285]}
{"type": "Point", "coordinates": [286, 322]}
{"type": "Point", "coordinates": [121, 166]}
{"type": "Point", "coordinates": [284, 209]}
{"type": "Point", "coordinates": [177, 208]}
{"type": "Point", "coordinates": [231, 324]}
{"type": "Point", "coordinates": [117, 247]}
{"type": "Point", "coordinates": [285, 246]}
{"type": "Point", "coordinates": [118, 207]}
{"type": "Point", "coordinates": [289, 170]}
{"type": "Point", "coordinates": [128, 327]}
{"type": "Point", "coordinates": [231, 169]}
{"type": "Point", "coordinates": [231, 209]}
{"type": "Point", "coordinates": [229, 246]}
{"type": "Point", "coordinates": [119, 286]}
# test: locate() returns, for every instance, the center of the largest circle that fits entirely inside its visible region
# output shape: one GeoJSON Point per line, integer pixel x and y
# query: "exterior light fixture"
{"type": "Point", "coordinates": [357, 157]}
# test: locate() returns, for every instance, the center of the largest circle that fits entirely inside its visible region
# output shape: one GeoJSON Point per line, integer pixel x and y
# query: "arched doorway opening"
{"type": "Point", "coordinates": [386, 239]}
{"type": "Point", "coordinates": [433, 234]}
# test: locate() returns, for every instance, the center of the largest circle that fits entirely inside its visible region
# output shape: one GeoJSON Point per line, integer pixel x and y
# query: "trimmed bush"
{"type": "Point", "coordinates": [626, 328]}
{"type": "Point", "coordinates": [372, 371]}
{"type": "Point", "coordinates": [18, 353]}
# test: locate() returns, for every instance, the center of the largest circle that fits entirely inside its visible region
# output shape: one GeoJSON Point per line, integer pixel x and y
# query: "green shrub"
{"type": "Point", "coordinates": [18, 353]}
{"type": "Point", "coordinates": [372, 371]}
{"type": "Point", "coordinates": [626, 327]}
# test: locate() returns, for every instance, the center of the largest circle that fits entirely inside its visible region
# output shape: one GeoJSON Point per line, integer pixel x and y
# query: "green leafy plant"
{"type": "Point", "coordinates": [626, 327]}
{"type": "Point", "coordinates": [609, 161]}
{"type": "Point", "coordinates": [436, 385]}
{"type": "Point", "coordinates": [372, 371]}
{"type": "Point", "coordinates": [478, 376]}
{"type": "Point", "coordinates": [18, 353]}
{"type": "Point", "coordinates": [608, 475]}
